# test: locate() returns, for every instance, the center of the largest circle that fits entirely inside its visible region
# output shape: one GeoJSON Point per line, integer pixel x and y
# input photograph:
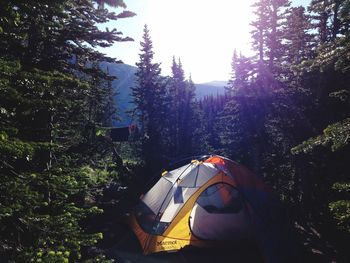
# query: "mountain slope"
{"type": "Point", "coordinates": [210, 88]}
{"type": "Point", "coordinates": [126, 80]}
{"type": "Point", "coordinates": [122, 89]}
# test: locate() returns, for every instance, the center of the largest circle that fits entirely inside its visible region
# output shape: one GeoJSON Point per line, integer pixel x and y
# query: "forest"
{"type": "Point", "coordinates": [285, 115]}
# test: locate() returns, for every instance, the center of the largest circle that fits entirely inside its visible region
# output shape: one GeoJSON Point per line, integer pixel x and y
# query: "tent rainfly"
{"type": "Point", "coordinates": [203, 203]}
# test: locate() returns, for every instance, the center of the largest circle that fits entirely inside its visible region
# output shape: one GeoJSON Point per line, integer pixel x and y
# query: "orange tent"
{"type": "Point", "coordinates": [201, 204]}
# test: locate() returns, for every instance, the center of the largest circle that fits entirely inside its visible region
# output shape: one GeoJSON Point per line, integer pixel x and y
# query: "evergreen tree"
{"type": "Point", "coordinates": [299, 41]}
{"type": "Point", "coordinates": [268, 37]}
{"type": "Point", "coordinates": [260, 25]}
{"type": "Point", "coordinates": [42, 196]}
{"type": "Point", "coordinates": [295, 92]}
{"type": "Point", "coordinates": [241, 73]}
{"type": "Point", "coordinates": [52, 162]}
{"type": "Point", "coordinates": [150, 99]}
{"type": "Point", "coordinates": [328, 83]}
{"type": "Point", "coordinates": [181, 115]}
{"type": "Point", "coordinates": [321, 10]}
{"type": "Point", "coordinates": [41, 32]}
{"type": "Point", "coordinates": [190, 123]}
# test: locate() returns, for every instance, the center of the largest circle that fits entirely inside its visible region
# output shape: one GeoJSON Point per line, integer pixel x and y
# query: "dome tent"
{"type": "Point", "coordinates": [203, 203]}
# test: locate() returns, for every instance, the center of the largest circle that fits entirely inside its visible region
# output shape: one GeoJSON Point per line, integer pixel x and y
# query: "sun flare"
{"type": "Point", "coordinates": [201, 32]}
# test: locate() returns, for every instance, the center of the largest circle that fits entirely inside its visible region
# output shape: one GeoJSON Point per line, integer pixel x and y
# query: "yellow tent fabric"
{"type": "Point", "coordinates": [200, 204]}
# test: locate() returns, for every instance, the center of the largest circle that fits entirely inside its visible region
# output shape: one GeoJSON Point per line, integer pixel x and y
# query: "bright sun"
{"type": "Point", "coordinates": [203, 33]}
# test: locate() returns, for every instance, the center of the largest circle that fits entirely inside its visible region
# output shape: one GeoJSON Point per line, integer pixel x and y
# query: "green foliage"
{"type": "Point", "coordinates": [16, 148]}
{"type": "Point", "coordinates": [42, 32]}
{"type": "Point", "coordinates": [44, 200]}
{"type": "Point", "coordinates": [342, 95]}
{"type": "Point", "coordinates": [341, 212]}
{"type": "Point", "coordinates": [336, 136]}
{"type": "Point", "coordinates": [53, 163]}
{"type": "Point", "coordinates": [181, 124]}
{"type": "Point", "coordinates": [166, 109]}
{"type": "Point", "coordinates": [149, 96]}
{"type": "Point", "coordinates": [340, 209]}
{"type": "Point", "coordinates": [55, 159]}
{"type": "Point", "coordinates": [341, 187]}
{"type": "Point", "coordinates": [268, 32]}
{"type": "Point", "coordinates": [285, 95]}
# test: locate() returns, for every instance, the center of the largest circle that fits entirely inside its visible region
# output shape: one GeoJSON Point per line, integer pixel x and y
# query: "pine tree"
{"type": "Point", "coordinates": [181, 96]}
{"type": "Point", "coordinates": [321, 10]}
{"type": "Point", "coordinates": [42, 32]}
{"type": "Point", "coordinates": [294, 93]}
{"type": "Point", "coordinates": [150, 99]}
{"type": "Point", "coordinates": [259, 33]}
{"type": "Point", "coordinates": [241, 73]}
{"type": "Point", "coordinates": [49, 169]}
{"type": "Point", "coordinates": [189, 121]}
{"type": "Point", "coordinates": [42, 196]}
{"type": "Point", "coordinates": [267, 37]}
{"type": "Point", "coordinates": [327, 82]}
{"type": "Point", "coordinates": [299, 42]}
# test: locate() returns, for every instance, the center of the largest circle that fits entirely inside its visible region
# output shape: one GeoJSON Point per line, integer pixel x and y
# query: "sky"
{"type": "Point", "coordinates": [202, 33]}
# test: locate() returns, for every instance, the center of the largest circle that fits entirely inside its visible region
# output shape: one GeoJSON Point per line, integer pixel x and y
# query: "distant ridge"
{"type": "Point", "coordinates": [210, 88]}
{"type": "Point", "coordinates": [122, 89]}
{"type": "Point", "coordinates": [126, 80]}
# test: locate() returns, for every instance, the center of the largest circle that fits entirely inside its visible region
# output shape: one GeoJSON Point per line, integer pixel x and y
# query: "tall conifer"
{"type": "Point", "coordinates": [149, 98]}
